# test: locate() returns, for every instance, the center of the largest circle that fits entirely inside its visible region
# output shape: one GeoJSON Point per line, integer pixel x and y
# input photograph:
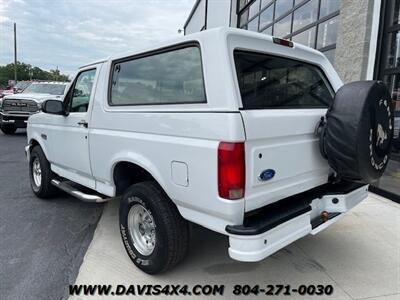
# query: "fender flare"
{"type": "Point", "coordinates": [141, 161]}
{"type": "Point", "coordinates": [39, 141]}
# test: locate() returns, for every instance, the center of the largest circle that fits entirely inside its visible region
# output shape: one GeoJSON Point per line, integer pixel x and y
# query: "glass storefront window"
{"type": "Point", "coordinates": [393, 56]}
{"type": "Point", "coordinates": [305, 15]}
{"type": "Point", "coordinates": [268, 31]}
{"type": "Point", "coordinates": [390, 181]}
{"type": "Point", "coordinates": [310, 22]}
{"type": "Point", "coordinates": [282, 7]}
{"type": "Point", "coordinates": [282, 28]}
{"type": "Point", "coordinates": [254, 8]}
{"type": "Point", "coordinates": [328, 7]}
{"type": "Point", "coordinates": [394, 8]}
{"type": "Point", "coordinates": [244, 17]}
{"type": "Point", "coordinates": [266, 17]}
{"type": "Point", "coordinates": [253, 25]}
{"type": "Point", "coordinates": [306, 38]}
{"type": "Point", "coordinates": [264, 3]}
{"type": "Point", "coordinates": [327, 33]}
{"type": "Point", "coordinates": [242, 3]}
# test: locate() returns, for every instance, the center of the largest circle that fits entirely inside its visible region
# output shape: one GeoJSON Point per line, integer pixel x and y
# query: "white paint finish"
{"type": "Point", "coordinates": [198, 19]}
{"type": "Point", "coordinates": [374, 39]}
{"type": "Point", "coordinates": [69, 142]}
{"type": "Point", "coordinates": [258, 247]}
{"type": "Point", "coordinates": [179, 173]}
{"type": "Point", "coordinates": [271, 133]}
{"type": "Point", "coordinates": [359, 256]}
{"type": "Point", "coordinates": [284, 137]}
{"type": "Point", "coordinates": [154, 136]}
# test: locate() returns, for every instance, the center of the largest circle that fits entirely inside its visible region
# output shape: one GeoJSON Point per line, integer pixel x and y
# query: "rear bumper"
{"type": "Point", "coordinates": [270, 230]}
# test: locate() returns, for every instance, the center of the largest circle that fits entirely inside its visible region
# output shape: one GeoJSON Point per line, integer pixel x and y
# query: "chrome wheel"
{"type": "Point", "coordinates": [37, 172]}
{"type": "Point", "coordinates": [142, 229]}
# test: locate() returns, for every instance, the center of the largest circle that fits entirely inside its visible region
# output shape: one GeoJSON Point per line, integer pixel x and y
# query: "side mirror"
{"type": "Point", "coordinates": [54, 107]}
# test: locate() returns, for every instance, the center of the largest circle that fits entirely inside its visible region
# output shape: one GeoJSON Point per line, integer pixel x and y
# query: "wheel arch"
{"type": "Point", "coordinates": [127, 171]}
{"type": "Point", "coordinates": [34, 141]}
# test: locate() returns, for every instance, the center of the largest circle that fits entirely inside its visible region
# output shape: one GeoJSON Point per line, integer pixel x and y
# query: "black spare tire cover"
{"type": "Point", "coordinates": [358, 131]}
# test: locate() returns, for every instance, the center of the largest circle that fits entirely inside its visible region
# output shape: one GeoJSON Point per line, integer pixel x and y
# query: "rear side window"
{"type": "Point", "coordinates": [267, 81]}
{"type": "Point", "coordinates": [171, 77]}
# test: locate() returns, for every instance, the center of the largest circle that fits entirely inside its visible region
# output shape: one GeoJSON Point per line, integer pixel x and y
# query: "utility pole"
{"type": "Point", "coordinates": [15, 53]}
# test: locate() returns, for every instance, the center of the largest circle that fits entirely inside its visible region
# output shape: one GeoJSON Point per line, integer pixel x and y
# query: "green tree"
{"type": "Point", "coordinates": [27, 72]}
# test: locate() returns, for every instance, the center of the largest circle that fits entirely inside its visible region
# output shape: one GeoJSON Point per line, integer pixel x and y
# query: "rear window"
{"type": "Point", "coordinates": [267, 81]}
{"type": "Point", "coordinates": [171, 77]}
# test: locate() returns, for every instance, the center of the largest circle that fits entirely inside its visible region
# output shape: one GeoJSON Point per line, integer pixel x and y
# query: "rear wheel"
{"type": "Point", "coordinates": [154, 234]}
{"type": "Point", "coordinates": [8, 129]}
{"type": "Point", "coordinates": [41, 174]}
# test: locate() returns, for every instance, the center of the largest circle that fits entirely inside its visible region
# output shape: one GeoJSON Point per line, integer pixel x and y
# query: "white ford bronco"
{"type": "Point", "coordinates": [245, 134]}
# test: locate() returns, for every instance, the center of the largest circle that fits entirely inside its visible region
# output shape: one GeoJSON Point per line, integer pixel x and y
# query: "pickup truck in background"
{"type": "Point", "coordinates": [15, 109]}
{"type": "Point", "coordinates": [245, 134]}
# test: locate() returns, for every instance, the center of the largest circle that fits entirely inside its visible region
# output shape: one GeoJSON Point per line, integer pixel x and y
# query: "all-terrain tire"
{"type": "Point", "coordinates": [42, 186]}
{"type": "Point", "coordinates": [8, 129]}
{"type": "Point", "coordinates": [171, 230]}
{"type": "Point", "coordinates": [357, 136]}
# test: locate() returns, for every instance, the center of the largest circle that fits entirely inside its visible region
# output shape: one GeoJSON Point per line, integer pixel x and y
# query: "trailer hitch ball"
{"type": "Point", "coordinates": [325, 216]}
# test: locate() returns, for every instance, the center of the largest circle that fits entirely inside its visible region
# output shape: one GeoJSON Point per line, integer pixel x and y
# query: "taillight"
{"type": "Point", "coordinates": [231, 170]}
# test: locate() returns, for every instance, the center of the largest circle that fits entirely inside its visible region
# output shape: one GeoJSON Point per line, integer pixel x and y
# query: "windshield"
{"type": "Point", "coordinates": [22, 85]}
{"type": "Point", "coordinates": [267, 81]}
{"type": "Point", "coordinates": [45, 88]}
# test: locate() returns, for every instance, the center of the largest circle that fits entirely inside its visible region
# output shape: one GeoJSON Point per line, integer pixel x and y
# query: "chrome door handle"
{"type": "Point", "coordinates": [83, 123]}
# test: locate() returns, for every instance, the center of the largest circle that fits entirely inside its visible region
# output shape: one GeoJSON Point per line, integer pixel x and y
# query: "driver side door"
{"type": "Point", "coordinates": [69, 137]}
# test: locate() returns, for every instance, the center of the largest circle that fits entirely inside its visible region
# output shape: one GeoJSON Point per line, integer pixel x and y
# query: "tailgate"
{"type": "Point", "coordinates": [283, 100]}
{"type": "Point", "coordinates": [282, 141]}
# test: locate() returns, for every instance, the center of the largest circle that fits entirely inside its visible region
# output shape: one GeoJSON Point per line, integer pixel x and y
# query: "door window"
{"type": "Point", "coordinates": [389, 73]}
{"type": "Point", "coordinates": [81, 92]}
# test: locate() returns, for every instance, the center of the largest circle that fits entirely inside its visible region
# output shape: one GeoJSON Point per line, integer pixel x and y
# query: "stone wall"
{"type": "Point", "coordinates": [354, 33]}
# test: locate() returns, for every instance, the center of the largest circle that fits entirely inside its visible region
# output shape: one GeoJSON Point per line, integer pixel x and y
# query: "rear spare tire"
{"type": "Point", "coordinates": [357, 136]}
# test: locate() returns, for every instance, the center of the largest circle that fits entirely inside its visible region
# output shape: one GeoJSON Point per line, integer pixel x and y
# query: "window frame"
{"type": "Point", "coordinates": [69, 95]}
{"type": "Point", "coordinates": [318, 67]}
{"type": "Point", "coordinates": [149, 54]}
{"type": "Point", "coordinates": [295, 7]}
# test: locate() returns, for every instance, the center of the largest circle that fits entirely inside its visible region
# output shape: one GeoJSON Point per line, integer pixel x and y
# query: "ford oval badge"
{"type": "Point", "coordinates": [266, 175]}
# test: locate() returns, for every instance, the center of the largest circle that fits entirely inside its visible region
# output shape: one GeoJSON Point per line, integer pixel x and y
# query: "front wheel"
{"type": "Point", "coordinates": [8, 129]}
{"type": "Point", "coordinates": [153, 232]}
{"type": "Point", "coordinates": [41, 174]}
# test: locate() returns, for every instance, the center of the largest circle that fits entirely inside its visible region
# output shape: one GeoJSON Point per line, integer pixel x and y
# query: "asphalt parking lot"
{"type": "Point", "coordinates": [42, 243]}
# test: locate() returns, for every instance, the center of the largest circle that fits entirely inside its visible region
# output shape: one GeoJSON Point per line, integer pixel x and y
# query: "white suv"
{"type": "Point", "coordinates": [225, 128]}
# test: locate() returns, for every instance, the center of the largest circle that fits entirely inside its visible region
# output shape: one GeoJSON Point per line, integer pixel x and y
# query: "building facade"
{"type": "Point", "coordinates": [361, 38]}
